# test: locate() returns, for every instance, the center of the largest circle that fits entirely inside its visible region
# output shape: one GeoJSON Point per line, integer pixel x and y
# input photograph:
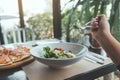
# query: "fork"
{"type": "Point", "coordinates": [86, 24]}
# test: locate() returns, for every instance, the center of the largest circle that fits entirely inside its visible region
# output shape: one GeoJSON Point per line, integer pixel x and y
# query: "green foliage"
{"type": "Point", "coordinates": [83, 11]}
{"type": "Point", "coordinates": [73, 19]}
{"type": "Point", "coordinates": [42, 25]}
{"type": "Point", "coordinates": [116, 25]}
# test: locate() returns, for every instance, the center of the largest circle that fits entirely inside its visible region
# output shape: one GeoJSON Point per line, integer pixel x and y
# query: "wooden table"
{"type": "Point", "coordinates": [82, 70]}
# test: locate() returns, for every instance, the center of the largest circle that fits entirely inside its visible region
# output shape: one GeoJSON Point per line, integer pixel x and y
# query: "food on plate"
{"type": "Point", "coordinates": [4, 59]}
{"type": "Point", "coordinates": [9, 56]}
{"type": "Point", "coordinates": [58, 53]}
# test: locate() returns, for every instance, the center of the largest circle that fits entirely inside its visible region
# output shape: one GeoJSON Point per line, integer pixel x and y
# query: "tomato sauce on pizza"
{"type": "Point", "coordinates": [9, 56]}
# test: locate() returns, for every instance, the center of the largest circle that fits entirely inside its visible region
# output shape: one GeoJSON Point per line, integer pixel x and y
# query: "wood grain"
{"type": "Point", "coordinates": [18, 64]}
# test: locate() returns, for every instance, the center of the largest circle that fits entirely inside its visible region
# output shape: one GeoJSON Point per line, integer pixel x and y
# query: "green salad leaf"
{"type": "Point", "coordinates": [58, 53]}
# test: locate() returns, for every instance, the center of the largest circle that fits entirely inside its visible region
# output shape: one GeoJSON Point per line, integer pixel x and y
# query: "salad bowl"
{"type": "Point", "coordinates": [78, 50]}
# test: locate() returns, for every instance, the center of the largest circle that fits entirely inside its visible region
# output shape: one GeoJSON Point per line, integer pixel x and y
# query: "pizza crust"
{"type": "Point", "coordinates": [14, 55]}
{"type": "Point", "coordinates": [6, 64]}
{"type": "Point", "coordinates": [23, 57]}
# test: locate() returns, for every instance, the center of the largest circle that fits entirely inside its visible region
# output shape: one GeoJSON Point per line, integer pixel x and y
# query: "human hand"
{"type": "Point", "coordinates": [100, 26]}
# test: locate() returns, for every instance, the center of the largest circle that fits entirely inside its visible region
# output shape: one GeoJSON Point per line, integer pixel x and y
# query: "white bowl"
{"type": "Point", "coordinates": [77, 49]}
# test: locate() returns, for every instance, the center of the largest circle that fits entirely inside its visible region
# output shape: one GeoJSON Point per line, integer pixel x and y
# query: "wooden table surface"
{"type": "Point", "coordinates": [39, 71]}
{"type": "Point", "coordinates": [82, 70]}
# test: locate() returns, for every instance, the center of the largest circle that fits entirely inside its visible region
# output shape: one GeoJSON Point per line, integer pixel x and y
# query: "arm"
{"type": "Point", "coordinates": [101, 32]}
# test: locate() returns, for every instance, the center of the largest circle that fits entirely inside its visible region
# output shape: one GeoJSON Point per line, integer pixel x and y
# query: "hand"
{"type": "Point", "coordinates": [100, 27]}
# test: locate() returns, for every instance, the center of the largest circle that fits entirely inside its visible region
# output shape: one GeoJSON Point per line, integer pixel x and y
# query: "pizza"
{"type": "Point", "coordinates": [9, 56]}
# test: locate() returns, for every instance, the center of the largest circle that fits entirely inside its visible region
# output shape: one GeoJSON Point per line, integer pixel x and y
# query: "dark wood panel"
{"type": "Point", "coordinates": [91, 75]}
{"type": "Point", "coordinates": [57, 19]}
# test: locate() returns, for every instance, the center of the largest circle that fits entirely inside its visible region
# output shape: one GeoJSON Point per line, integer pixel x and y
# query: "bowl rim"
{"type": "Point", "coordinates": [83, 51]}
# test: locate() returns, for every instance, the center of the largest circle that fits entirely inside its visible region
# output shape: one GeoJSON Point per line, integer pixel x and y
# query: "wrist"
{"type": "Point", "coordinates": [104, 37]}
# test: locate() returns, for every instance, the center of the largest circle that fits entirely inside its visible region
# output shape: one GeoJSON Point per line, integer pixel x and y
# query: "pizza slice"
{"type": "Point", "coordinates": [4, 59]}
{"type": "Point", "coordinates": [9, 56]}
{"type": "Point", "coordinates": [19, 53]}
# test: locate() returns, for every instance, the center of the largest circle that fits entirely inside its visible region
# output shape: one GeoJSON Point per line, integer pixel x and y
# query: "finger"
{"type": "Point", "coordinates": [95, 23]}
{"type": "Point", "coordinates": [97, 18]}
{"type": "Point", "coordinates": [101, 17]}
{"type": "Point", "coordinates": [94, 26]}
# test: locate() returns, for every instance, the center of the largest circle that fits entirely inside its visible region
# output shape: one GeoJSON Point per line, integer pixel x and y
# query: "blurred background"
{"type": "Point", "coordinates": [74, 14]}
